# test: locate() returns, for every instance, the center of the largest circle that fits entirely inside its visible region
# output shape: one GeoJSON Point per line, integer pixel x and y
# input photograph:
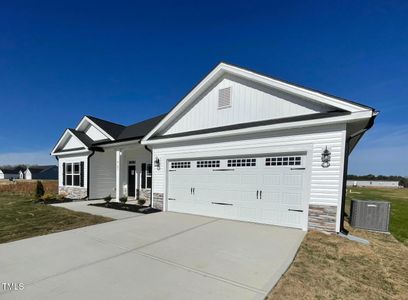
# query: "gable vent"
{"type": "Point", "coordinates": [224, 98]}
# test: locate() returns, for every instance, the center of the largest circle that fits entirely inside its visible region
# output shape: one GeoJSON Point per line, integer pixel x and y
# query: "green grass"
{"type": "Point", "coordinates": [399, 207]}
{"type": "Point", "coordinates": [21, 218]}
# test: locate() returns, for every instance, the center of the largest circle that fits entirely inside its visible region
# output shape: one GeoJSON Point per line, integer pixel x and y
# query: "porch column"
{"type": "Point", "coordinates": [118, 170]}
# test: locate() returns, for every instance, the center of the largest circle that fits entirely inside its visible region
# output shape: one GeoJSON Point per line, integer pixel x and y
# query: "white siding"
{"type": "Point", "coordinates": [95, 134]}
{"type": "Point", "coordinates": [1, 174]}
{"type": "Point", "coordinates": [325, 183]}
{"type": "Point", "coordinates": [72, 143]}
{"type": "Point", "coordinates": [140, 155]}
{"type": "Point", "coordinates": [250, 102]}
{"type": "Point", "coordinates": [27, 174]}
{"type": "Point", "coordinates": [72, 159]}
{"type": "Point", "coordinates": [102, 174]}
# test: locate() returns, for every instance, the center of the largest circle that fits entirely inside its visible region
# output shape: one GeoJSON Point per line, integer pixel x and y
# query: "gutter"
{"type": "Point", "coordinates": [359, 134]}
{"type": "Point", "coordinates": [151, 161]}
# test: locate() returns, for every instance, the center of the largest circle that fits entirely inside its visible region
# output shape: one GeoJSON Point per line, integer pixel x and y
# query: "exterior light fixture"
{"type": "Point", "coordinates": [157, 163]}
{"type": "Point", "coordinates": [326, 157]}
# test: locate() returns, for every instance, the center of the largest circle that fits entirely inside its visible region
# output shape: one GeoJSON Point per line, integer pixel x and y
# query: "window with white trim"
{"type": "Point", "coordinates": [208, 164]}
{"type": "Point", "coordinates": [73, 174]}
{"type": "Point", "coordinates": [180, 164]}
{"type": "Point", "coordinates": [283, 161]}
{"type": "Point", "coordinates": [242, 162]}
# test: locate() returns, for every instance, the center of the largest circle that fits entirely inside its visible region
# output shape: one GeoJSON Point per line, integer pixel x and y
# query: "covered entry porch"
{"type": "Point", "coordinates": [121, 170]}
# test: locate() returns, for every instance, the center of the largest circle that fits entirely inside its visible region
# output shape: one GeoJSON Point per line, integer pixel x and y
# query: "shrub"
{"type": "Point", "coordinates": [48, 197]}
{"type": "Point", "coordinates": [61, 197]}
{"type": "Point", "coordinates": [141, 201]}
{"type": "Point", "coordinates": [39, 190]}
{"type": "Point", "coordinates": [123, 199]}
{"type": "Point", "coordinates": [108, 198]}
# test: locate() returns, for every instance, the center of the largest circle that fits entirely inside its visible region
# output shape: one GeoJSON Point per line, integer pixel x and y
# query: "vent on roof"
{"type": "Point", "coordinates": [224, 98]}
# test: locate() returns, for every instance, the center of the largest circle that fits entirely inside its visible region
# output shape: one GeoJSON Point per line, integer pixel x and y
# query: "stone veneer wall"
{"type": "Point", "coordinates": [144, 194]}
{"type": "Point", "coordinates": [158, 201]}
{"type": "Point", "coordinates": [73, 192]}
{"type": "Point", "coordinates": [322, 218]}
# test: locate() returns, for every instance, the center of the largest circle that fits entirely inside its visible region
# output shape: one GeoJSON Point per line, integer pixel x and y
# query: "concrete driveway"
{"type": "Point", "coordinates": [157, 256]}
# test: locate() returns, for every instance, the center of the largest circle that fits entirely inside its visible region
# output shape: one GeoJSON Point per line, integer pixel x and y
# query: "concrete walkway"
{"type": "Point", "coordinates": [157, 256]}
{"type": "Point", "coordinates": [95, 210]}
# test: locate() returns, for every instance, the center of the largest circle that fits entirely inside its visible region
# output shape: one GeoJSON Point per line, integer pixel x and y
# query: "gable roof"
{"type": "Point", "coordinates": [222, 68]}
{"type": "Point", "coordinates": [10, 170]}
{"type": "Point", "coordinates": [140, 129]}
{"type": "Point", "coordinates": [40, 169]}
{"type": "Point", "coordinates": [86, 140]}
{"type": "Point", "coordinates": [113, 129]}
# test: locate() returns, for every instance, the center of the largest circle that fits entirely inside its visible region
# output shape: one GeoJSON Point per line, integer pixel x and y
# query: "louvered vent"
{"type": "Point", "coordinates": [224, 98]}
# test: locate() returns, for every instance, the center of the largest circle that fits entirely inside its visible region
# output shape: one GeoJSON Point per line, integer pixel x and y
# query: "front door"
{"type": "Point", "coordinates": [131, 180]}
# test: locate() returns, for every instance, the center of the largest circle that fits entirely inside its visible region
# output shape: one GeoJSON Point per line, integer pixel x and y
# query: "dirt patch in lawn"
{"type": "Point", "coordinates": [331, 267]}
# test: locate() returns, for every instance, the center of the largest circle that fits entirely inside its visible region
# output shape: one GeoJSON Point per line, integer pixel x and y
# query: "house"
{"type": "Point", "coordinates": [373, 183]}
{"type": "Point", "coordinates": [240, 145]}
{"type": "Point", "coordinates": [41, 172]}
{"type": "Point", "coordinates": [9, 173]}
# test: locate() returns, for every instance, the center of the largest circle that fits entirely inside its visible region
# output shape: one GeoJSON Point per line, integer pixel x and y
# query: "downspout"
{"type": "Point", "coordinates": [358, 135]}
{"type": "Point", "coordinates": [151, 161]}
{"type": "Point", "coordinates": [88, 175]}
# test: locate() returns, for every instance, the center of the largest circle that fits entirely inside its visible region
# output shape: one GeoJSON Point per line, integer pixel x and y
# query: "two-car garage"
{"type": "Point", "coordinates": [269, 189]}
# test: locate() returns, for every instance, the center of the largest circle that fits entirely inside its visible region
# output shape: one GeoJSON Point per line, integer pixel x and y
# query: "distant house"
{"type": "Point", "coordinates": [9, 173]}
{"type": "Point", "coordinates": [373, 183]}
{"type": "Point", "coordinates": [41, 172]}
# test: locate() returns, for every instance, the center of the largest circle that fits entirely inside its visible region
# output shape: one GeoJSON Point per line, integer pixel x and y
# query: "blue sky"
{"type": "Point", "coordinates": [126, 61]}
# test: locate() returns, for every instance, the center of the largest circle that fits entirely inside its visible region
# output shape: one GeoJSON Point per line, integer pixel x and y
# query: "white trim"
{"type": "Point", "coordinates": [300, 124]}
{"type": "Point", "coordinates": [85, 118]}
{"type": "Point", "coordinates": [223, 68]}
{"type": "Point", "coordinates": [116, 144]}
{"type": "Point", "coordinates": [60, 140]}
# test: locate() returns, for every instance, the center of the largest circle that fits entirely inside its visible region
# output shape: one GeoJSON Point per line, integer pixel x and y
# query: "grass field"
{"type": "Point", "coordinates": [332, 267]}
{"type": "Point", "coordinates": [20, 218]}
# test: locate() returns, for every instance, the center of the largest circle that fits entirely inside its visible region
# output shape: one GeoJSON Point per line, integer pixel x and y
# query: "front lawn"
{"type": "Point", "coordinates": [332, 267]}
{"type": "Point", "coordinates": [21, 218]}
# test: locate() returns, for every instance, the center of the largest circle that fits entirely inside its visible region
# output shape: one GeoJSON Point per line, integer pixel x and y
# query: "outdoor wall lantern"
{"type": "Point", "coordinates": [157, 163]}
{"type": "Point", "coordinates": [326, 157]}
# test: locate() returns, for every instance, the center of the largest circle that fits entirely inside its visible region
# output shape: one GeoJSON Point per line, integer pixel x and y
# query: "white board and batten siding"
{"type": "Point", "coordinates": [325, 183]}
{"type": "Point", "coordinates": [72, 143]}
{"type": "Point", "coordinates": [95, 134]}
{"type": "Point", "coordinates": [249, 102]}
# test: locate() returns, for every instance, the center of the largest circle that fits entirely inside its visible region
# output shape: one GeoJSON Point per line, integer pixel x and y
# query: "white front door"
{"type": "Point", "coordinates": [268, 189]}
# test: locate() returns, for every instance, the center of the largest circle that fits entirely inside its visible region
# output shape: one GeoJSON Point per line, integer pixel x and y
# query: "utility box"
{"type": "Point", "coordinates": [370, 215]}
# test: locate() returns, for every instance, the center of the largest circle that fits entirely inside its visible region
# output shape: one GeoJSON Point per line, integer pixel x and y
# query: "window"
{"type": "Point", "coordinates": [146, 176]}
{"type": "Point", "coordinates": [180, 165]}
{"type": "Point", "coordinates": [74, 174]}
{"type": "Point", "coordinates": [242, 162]}
{"type": "Point", "coordinates": [208, 164]}
{"type": "Point", "coordinates": [224, 98]}
{"type": "Point", "coordinates": [283, 161]}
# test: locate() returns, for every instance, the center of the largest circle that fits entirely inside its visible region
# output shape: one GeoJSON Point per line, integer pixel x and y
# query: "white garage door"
{"type": "Point", "coordinates": [268, 189]}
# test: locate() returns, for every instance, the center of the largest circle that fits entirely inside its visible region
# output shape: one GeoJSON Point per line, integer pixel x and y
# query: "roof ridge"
{"type": "Point", "coordinates": [92, 117]}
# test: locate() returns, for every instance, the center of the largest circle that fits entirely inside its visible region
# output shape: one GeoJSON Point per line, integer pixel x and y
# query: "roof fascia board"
{"type": "Point", "coordinates": [124, 143]}
{"type": "Point", "coordinates": [67, 131]}
{"type": "Point", "coordinates": [275, 127]}
{"type": "Point", "coordinates": [70, 152]}
{"type": "Point", "coordinates": [85, 118]}
{"type": "Point", "coordinates": [222, 68]}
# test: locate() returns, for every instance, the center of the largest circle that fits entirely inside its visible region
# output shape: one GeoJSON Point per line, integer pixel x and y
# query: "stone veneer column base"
{"type": "Point", "coordinates": [73, 192]}
{"type": "Point", "coordinates": [144, 194]}
{"type": "Point", "coordinates": [158, 201]}
{"type": "Point", "coordinates": [322, 218]}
